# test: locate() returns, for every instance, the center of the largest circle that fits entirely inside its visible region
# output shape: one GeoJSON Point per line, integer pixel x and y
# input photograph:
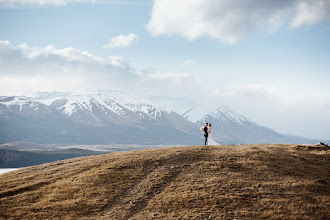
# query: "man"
{"type": "Point", "coordinates": [206, 133]}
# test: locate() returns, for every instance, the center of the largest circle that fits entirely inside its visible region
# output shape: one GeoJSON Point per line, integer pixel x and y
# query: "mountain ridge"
{"type": "Point", "coordinates": [108, 117]}
{"type": "Point", "coordinates": [234, 128]}
{"type": "Point", "coordinates": [105, 116]}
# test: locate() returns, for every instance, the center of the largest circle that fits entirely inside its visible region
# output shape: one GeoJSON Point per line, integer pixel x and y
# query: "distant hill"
{"type": "Point", "coordinates": [23, 146]}
{"type": "Point", "coordinates": [16, 159]}
{"type": "Point", "coordinates": [213, 182]}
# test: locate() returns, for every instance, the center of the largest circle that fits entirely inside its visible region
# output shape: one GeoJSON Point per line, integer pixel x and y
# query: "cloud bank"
{"type": "Point", "coordinates": [70, 69]}
{"type": "Point", "coordinates": [48, 67]}
{"type": "Point", "coordinates": [26, 60]}
{"type": "Point", "coordinates": [229, 21]}
{"type": "Point", "coordinates": [121, 41]}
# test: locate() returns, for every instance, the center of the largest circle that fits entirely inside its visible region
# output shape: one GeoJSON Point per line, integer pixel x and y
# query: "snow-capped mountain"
{"type": "Point", "coordinates": [104, 116]}
{"type": "Point", "coordinates": [17, 105]}
{"type": "Point", "coordinates": [226, 115]}
{"type": "Point", "coordinates": [229, 126]}
{"type": "Point", "coordinates": [105, 107]}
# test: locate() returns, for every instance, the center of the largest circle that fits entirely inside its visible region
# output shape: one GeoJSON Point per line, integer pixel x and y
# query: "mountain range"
{"type": "Point", "coordinates": [230, 127]}
{"type": "Point", "coordinates": [109, 117]}
{"type": "Point", "coordinates": [91, 118]}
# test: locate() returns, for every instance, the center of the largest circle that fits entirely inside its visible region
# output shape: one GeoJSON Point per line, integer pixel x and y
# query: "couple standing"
{"type": "Point", "coordinates": [207, 134]}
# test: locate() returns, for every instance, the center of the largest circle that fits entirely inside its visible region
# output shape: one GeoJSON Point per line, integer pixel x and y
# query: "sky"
{"type": "Point", "coordinates": [268, 60]}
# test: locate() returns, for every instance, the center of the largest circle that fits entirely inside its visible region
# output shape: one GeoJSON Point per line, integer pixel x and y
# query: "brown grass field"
{"type": "Point", "coordinates": [201, 182]}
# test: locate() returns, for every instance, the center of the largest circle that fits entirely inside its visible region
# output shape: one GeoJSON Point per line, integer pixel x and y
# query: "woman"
{"type": "Point", "coordinates": [210, 140]}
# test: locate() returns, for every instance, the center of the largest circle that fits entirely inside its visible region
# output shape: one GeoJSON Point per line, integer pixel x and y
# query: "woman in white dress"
{"type": "Point", "coordinates": [210, 140]}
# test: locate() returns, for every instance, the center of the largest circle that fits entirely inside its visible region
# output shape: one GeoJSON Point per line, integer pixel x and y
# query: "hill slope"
{"type": "Point", "coordinates": [214, 182]}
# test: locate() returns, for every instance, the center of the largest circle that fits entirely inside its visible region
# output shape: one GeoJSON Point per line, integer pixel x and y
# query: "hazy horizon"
{"type": "Point", "coordinates": [267, 60]}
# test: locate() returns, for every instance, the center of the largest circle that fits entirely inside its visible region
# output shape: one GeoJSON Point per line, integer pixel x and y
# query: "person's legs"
{"type": "Point", "coordinates": [205, 135]}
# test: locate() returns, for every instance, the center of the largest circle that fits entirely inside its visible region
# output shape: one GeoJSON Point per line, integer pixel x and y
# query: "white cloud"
{"type": "Point", "coordinates": [310, 12]}
{"type": "Point", "coordinates": [117, 61]}
{"type": "Point", "coordinates": [229, 21]}
{"type": "Point", "coordinates": [49, 68]}
{"type": "Point", "coordinates": [122, 41]}
{"type": "Point", "coordinates": [66, 68]}
{"type": "Point", "coordinates": [68, 55]}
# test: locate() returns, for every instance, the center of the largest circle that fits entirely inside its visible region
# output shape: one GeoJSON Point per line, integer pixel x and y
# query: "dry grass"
{"type": "Point", "coordinates": [214, 182]}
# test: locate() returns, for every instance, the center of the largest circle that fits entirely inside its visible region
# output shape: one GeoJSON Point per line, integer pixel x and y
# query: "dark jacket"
{"type": "Point", "coordinates": [206, 131]}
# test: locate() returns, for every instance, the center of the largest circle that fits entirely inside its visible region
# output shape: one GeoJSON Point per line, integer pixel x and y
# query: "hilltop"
{"type": "Point", "coordinates": [200, 182]}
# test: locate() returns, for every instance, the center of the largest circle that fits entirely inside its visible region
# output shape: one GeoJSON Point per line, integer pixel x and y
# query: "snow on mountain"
{"type": "Point", "coordinates": [117, 117]}
{"type": "Point", "coordinates": [227, 115]}
{"type": "Point", "coordinates": [135, 104]}
{"type": "Point", "coordinates": [229, 126]}
{"type": "Point", "coordinates": [101, 106]}
{"type": "Point", "coordinates": [23, 106]}
{"type": "Point", "coordinates": [91, 117]}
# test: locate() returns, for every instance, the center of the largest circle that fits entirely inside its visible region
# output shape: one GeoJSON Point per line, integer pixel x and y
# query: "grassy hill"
{"type": "Point", "coordinates": [213, 182]}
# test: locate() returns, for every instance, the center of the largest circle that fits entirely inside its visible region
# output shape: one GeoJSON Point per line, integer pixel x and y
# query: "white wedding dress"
{"type": "Point", "coordinates": [210, 141]}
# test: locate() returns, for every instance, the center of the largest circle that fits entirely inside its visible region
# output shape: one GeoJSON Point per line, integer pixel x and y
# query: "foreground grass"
{"type": "Point", "coordinates": [213, 182]}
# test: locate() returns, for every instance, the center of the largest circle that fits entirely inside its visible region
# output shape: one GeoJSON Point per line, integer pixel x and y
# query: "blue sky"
{"type": "Point", "coordinates": [269, 60]}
